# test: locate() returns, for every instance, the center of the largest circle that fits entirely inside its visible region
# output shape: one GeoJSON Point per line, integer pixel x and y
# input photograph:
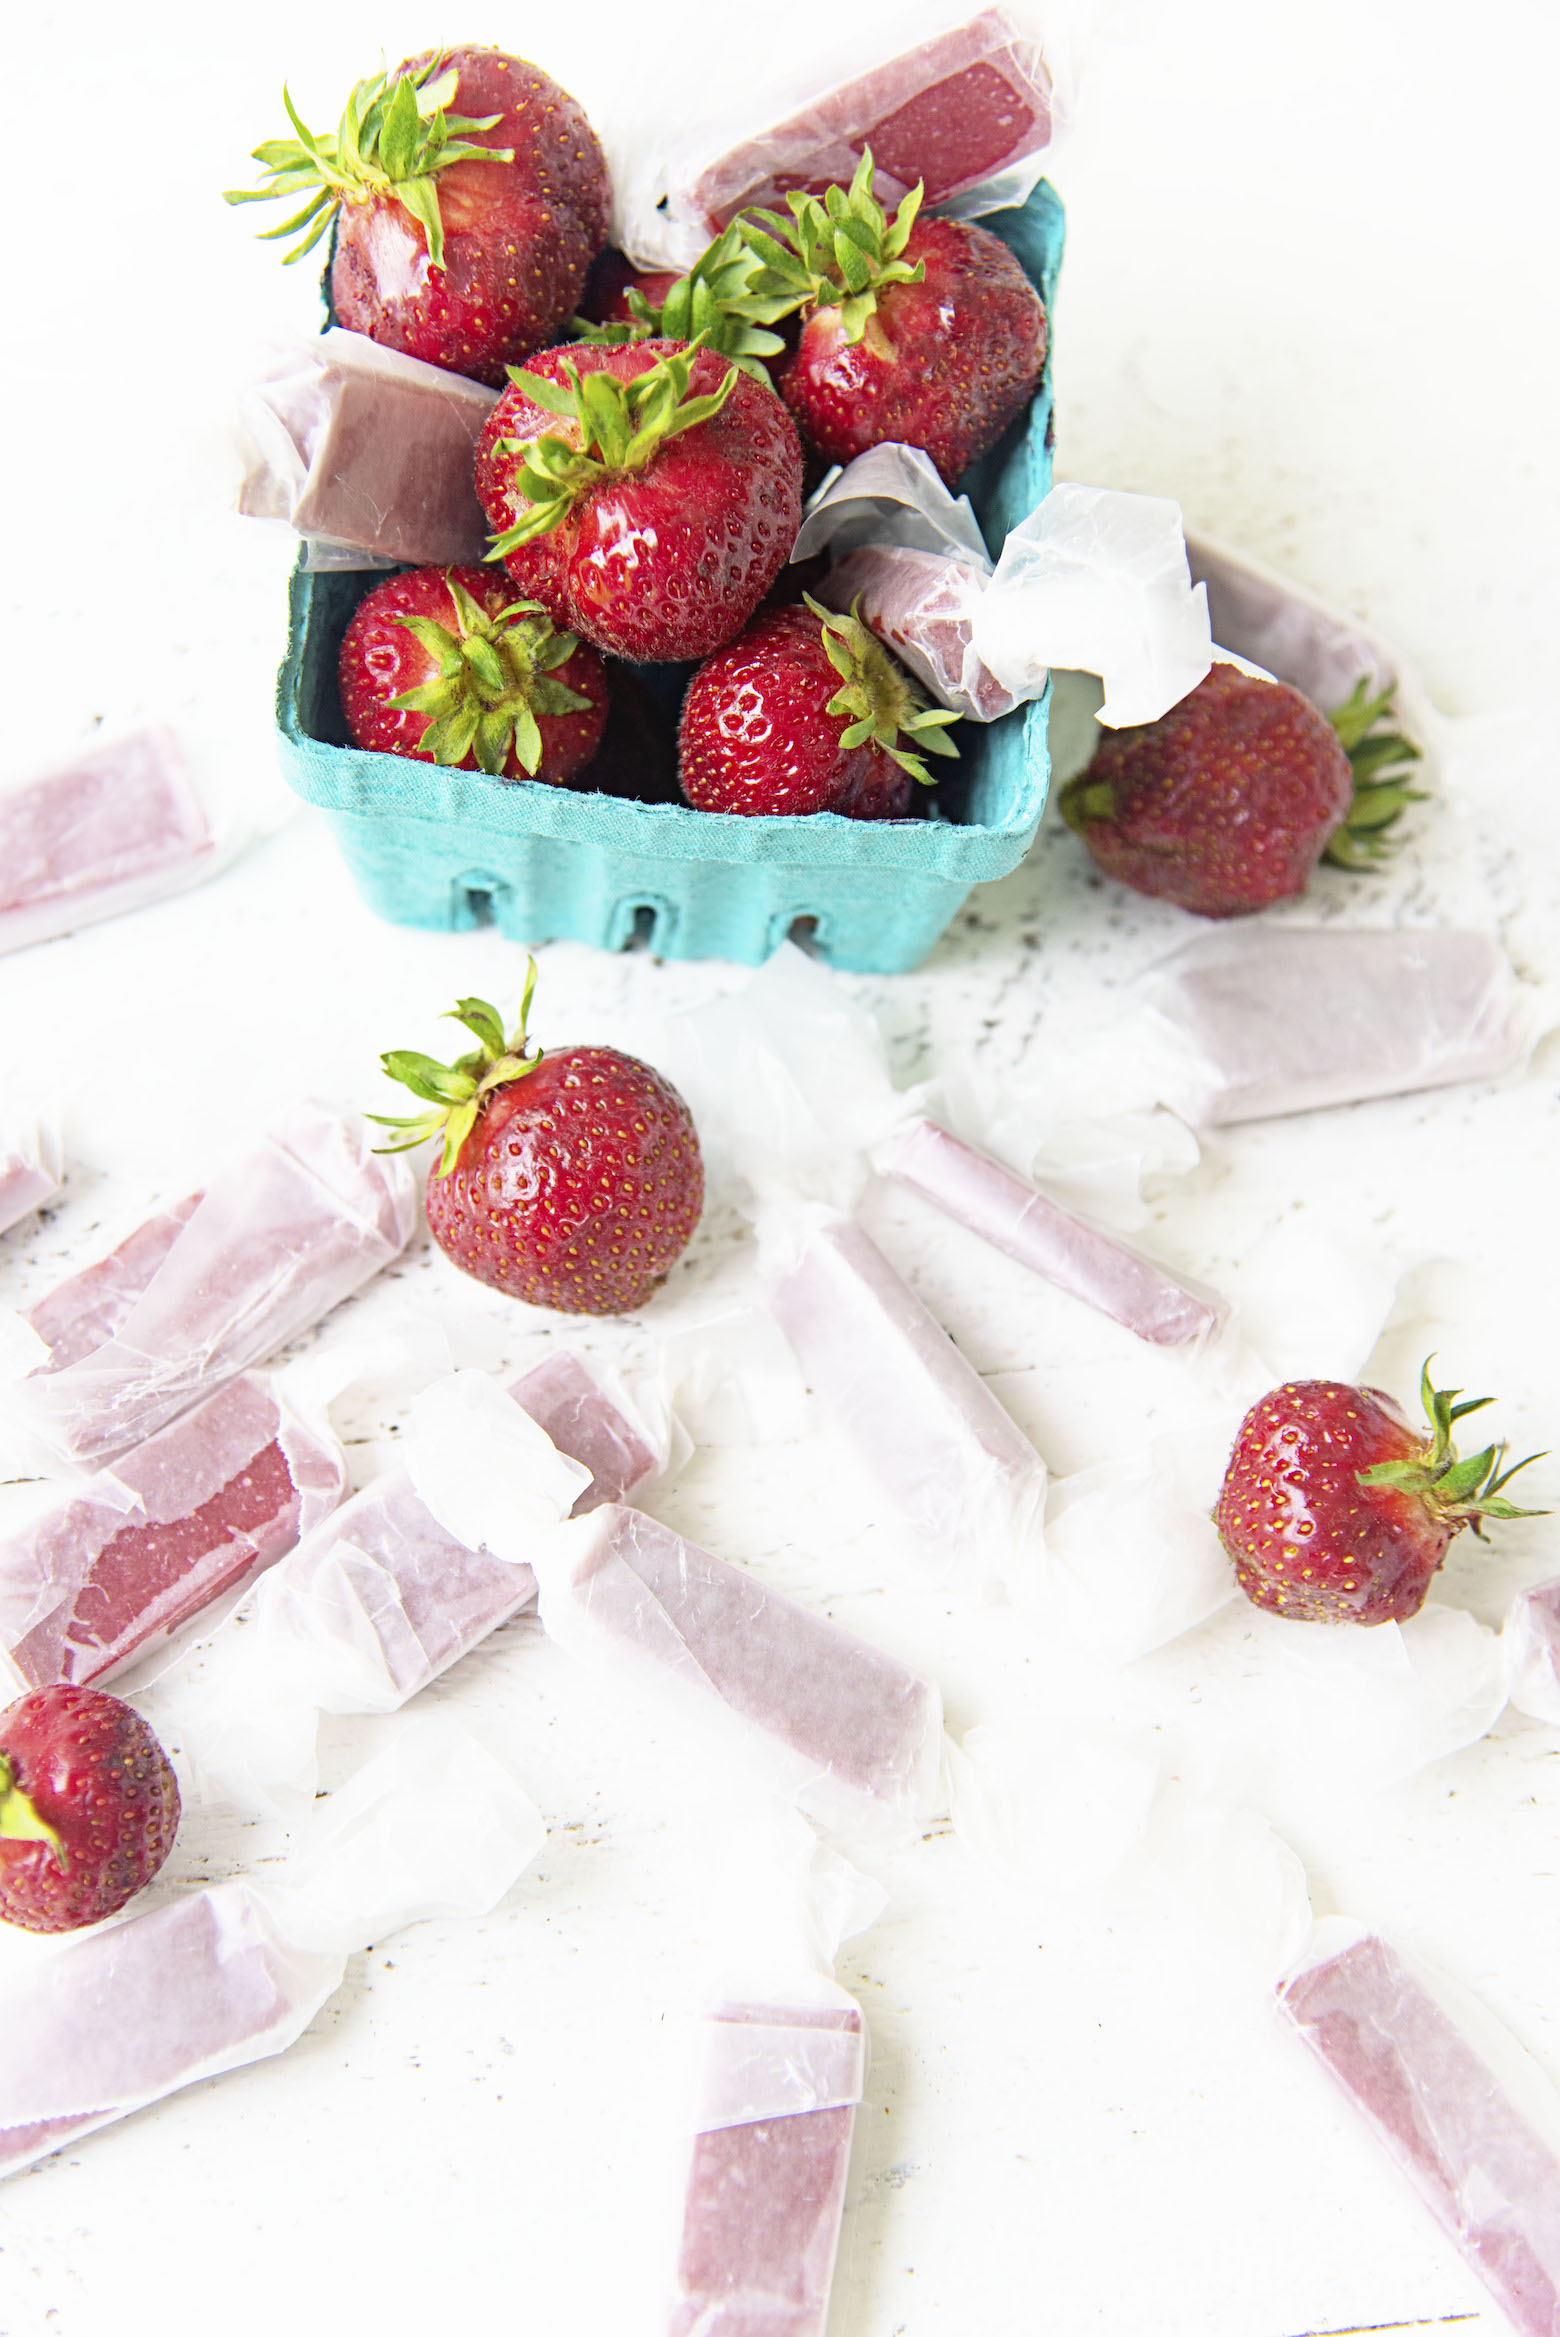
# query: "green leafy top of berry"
{"type": "Point", "coordinates": [837, 253]}
{"type": "Point", "coordinates": [1463, 1491]}
{"type": "Point", "coordinates": [393, 139]}
{"type": "Point", "coordinates": [20, 1820]}
{"type": "Point", "coordinates": [456, 1092]}
{"type": "Point", "coordinates": [621, 425]}
{"type": "Point", "coordinates": [494, 679]}
{"type": "Point", "coordinates": [713, 304]}
{"type": "Point", "coordinates": [877, 697]}
{"type": "Point", "coordinates": [1379, 757]}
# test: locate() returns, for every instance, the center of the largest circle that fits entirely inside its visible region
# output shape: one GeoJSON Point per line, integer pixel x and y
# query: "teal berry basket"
{"type": "Point", "coordinates": [453, 850]}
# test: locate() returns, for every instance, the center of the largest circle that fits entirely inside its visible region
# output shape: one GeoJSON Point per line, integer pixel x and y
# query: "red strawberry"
{"type": "Point", "coordinates": [713, 304]}
{"type": "Point", "coordinates": [88, 1808]}
{"type": "Point", "coordinates": [571, 1181]}
{"type": "Point", "coordinates": [462, 237]}
{"type": "Point", "coordinates": [613, 276]}
{"type": "Point", "coordinates": [805, 712]}
{"type": "Point", "coordinates": [1227, 803]}
{"type": "Point", "coordinates": [1336, 1509]}
{"type": "Point", "coordinates": [926, 331]}
{"type": "Point", "coordinates": [445, 665]}
{"type": "Point", "coordinates": [647, 496]}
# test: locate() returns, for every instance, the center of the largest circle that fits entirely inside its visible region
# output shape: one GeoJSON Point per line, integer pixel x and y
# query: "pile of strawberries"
{"type": "Point", "coordinates": [643, 470]}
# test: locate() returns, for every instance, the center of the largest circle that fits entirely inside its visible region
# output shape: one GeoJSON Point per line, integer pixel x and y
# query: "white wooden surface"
{"type": "Point", "coordinates": [1310, 292]}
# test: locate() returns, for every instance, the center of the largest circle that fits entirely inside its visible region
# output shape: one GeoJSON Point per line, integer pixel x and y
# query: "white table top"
{"type": "Point", "coordinates": [1309, 293]}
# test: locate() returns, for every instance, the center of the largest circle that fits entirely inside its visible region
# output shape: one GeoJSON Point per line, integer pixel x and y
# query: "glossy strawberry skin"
{"type": "Point", "coordinates": [944, 365]}
{"type": "Point", "coordinates": [756, 735]}
{"type": "Point", "coordinates": [1225, 804]}
{"type": "Point", "coordinates": [578, 1188]}
{"type": "Point", "coordinates": [1308, 1540]}
{"type": "Point", "coordinates": [667, 562]}
{"type": "Point", "coordinates": [380, 659]}
{"type": "Point", "coordinates": [94, 1772]}
{"type": "Point", "coordinates": [518, 236]}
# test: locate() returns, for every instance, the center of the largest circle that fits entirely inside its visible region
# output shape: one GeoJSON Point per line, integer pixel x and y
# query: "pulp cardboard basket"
{"type": "Point", "coordinates": [453, 849]}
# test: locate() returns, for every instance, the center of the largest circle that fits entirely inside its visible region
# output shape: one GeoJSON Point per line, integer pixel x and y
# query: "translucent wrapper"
{"type": "Point", "coordinates": [109, 2022]}
{"type": "Point", "coordinates": [1531, 1636]}
{"type": "Point", "coordinates": [118, 826]}
{"type": "Point", "coordinates": [923, 606]}
{"type": "Point", "coordinates": [384, 1595]}
{"type": "Point", "coordinates": [1097, 580]}
{"type": "Point", "coordinates": [849, 1733]}
{"type": "Point", "coordinates": [1453, 2099]}
{"type": "Point", "coordinates": [783, 2065]}
{"type": "Point", "coordinates": [1295, 637]}
{"type": "Point", "coordinates": [278, 1237]}
{"type": "Point", "coordinates": [892, 495]}
{"type": "Point", "coordinates": [955, 1471]}
{"type": "Point", "coordinates": [1353, 1708]}
{"type": "Point", "coordinates": [1018, 1219]}
{"type": "Point", "coordinates": [366, 453]}
{"type": "Point", "coordinates": [85, 1310]}
{"type": "Point", "coordinates": [1254, 1021]}
{"type": "Point", "coordinates": [31, 1168]}
{"type": "Point", "coordinates": [969, 111]}
{"type": "Point", "coordinates": [103, 1578]}
{"type": "Point", "coordinates": [1132, 1556]}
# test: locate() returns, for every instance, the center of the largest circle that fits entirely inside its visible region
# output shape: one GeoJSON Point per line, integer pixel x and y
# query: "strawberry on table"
{"type": "Point", "coordinates": [1227, 803]}
{"type": "Point", "coordinates": [571, 1181]}
{"type": "Point", "coordinates": [446, 665]}
{"type": "Point", "coordinates": [922, 331]}
{"type": "Point", "coordinates": [807, 711]}
{"type": "Point", "coordinates": [647, 496]}
{"type": "Point", "coordinates": [88, 1808]}
{"type": "Point", "coordinates": [1336, 1509]}
{"type": "Point", "coordinates": [469, 195]}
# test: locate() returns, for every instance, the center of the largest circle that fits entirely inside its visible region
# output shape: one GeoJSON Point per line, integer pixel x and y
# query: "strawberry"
{"type": "Point", "coordinates": [647, 496]}
{"type": "Point", "coordinates": [88, 1808]}
{"type": "Point", "coordinates": [712, 304]}
{"type": "Point", "coordinates": [805, 712]}
{"type": "Point", "coordinates": [925, 331]}
{"type": "Point", "coordinates": [462, 237]}
{"type": "Point", "coordinates": [1336, 1509]}
{"type": "Point", "coordinates": [445, 665]}
{"type": "Point", "coordinates": [1227, 803]}
{"type": "Point", "coordinates": [571, 1181]}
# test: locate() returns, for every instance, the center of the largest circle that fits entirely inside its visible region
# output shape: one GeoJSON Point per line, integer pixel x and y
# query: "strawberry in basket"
{"type": "Point", "coordinates": [448, 666]}
{"type": "Point", "coordinates": [924, 331]}
{"type": "Point", "coordinates": [647, 496]}
{"type": "Point", "coordinates": [469, 196]}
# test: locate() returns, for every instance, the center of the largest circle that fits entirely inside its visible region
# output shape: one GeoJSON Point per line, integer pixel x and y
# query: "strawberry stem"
{"type": "Point", "coordinates": [19, 1817]}
{"type": "Point", "coordinates": [1464, 1492]}
{"type": "Point", "coordinates": [456, 1092]}
{"type": "Point", "coordinates": [837, 253]}
{"type": "Point", "coordinates": [393, 139]}
{"type": "Point", "coordinates": [713, 305]}
{"type": "Point", "coordinates": [1379, 757]}
{"type": "Point", "coordinates": [621, 426]}
{"type": "Point", "coordinates": [877, 697]}
{"type": "Point", "coordinates": [494, 680]}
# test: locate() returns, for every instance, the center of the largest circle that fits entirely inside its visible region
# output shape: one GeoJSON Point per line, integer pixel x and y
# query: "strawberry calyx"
{"type": "Point", "coordinates": [622, 425]}
{"type": "Point", "coordinates": [456, 1092]}
{"type": "Point", "coordinates": [1379, 757]}
{"type": "Point", "coordinates": [20, 1820]}
{"type": "Point", "coordinates": [393, 140]}
{"type": "Point", "coordinates": [494, 679]}
{"type": "Point", "coordinates": [1459, 1492]}
{"type": "Point", "coordinates": [840, 252]}
{"type": "Point", "coordinates": [713, 305]}
{"type": "Point", "coordinates": [877, 696]}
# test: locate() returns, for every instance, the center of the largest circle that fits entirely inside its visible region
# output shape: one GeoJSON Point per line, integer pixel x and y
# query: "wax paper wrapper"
{"type": "Point", "coordinates": [118, 826]}
{"type": "Point", "coordinates": [278, 1237]}
{"type": "Point", "coordinates": [31, 1168]}
{"type": "Point", "coordinates": [891, 495]}
{"type": "Point", "coordinates": [1132, 1556]}
{"type": "Point", "coordinates": [114, 2019]}
{"type": "Point", "coordinates": [968, 108]}
{"type": "Point", "coordinates": [1531, 1636]}
{"type": "Point", "coordinates": [106, 1577]}
{"type": "Point", "coordinates": [1452, 2098]}
{"type": "Point", "coordinates": [1098, 580]}
{"type": "Point", "coordinates": [1255, 1021]}
{"type": "Point", "coordinates": [922, 605]}
{"type": "Point", "coordinates": [366, 453]}
{"type": "Point", "coordinates": [401, 1581]}
{"type": "Point", "coordinates": [782, 2065]}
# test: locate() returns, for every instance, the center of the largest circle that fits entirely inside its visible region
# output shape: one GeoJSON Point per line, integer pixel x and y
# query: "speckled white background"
{"type": "Point", "coordinates": [1309, 292]}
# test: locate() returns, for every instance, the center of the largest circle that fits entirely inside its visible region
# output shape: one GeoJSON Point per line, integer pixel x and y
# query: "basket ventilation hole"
{"type": "Point", "coordinates": [643, 931]}
{"type": "Point", "coordinates": [804, 932]}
